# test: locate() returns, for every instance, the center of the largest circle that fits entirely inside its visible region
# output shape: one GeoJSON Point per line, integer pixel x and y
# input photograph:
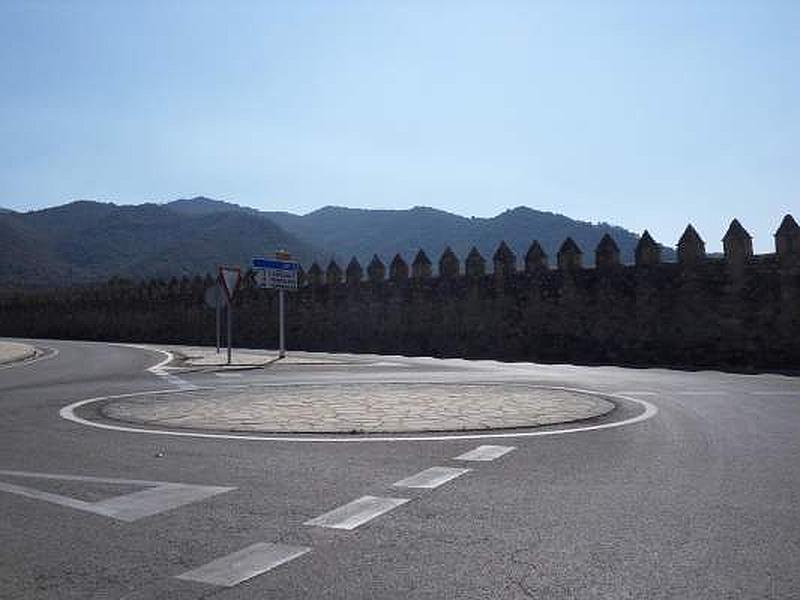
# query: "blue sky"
{"type": "Point", "coordinates": [645, 114]}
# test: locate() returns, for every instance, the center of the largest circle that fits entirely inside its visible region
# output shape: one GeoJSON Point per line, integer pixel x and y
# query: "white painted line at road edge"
{"type": "Point", "coordinates": [68, 413]}
{"type": "Point", "coordinates": [485, 453]}
{"type": "Point", "coordinates": [245, 564]}
{"type": "Point", "coordinates": [357, 512]}
{"type": "Point", "coordinates": [431, 478]}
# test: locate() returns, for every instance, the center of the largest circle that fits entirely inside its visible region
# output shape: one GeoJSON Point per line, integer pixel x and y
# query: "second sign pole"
{"type": "Point", "coordinates": [281, 334]}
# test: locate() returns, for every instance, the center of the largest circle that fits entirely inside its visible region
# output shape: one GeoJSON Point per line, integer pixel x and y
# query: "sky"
{"type": "Point", "coordinates": [645, 114]}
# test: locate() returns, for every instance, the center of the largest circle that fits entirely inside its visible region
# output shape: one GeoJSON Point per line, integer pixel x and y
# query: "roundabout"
{"type": "Point", "coordinates": [361, 412]}
{"type": "Point", "coordinates": [360, 408]}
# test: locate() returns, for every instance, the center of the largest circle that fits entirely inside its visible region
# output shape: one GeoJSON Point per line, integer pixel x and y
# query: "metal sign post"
{"type": "Point", "coordinates": [281, 336]}
{"type": "Point", "coordinates": [219, 314]}
{"type": "Point", "coordinates": [229, 279]}
{"type": "Point", "coordinates": [230, 329]}
{"type": "Point", "coordinates": [213, 299]}
{"type": "Point", "coordinates": [278, 273]}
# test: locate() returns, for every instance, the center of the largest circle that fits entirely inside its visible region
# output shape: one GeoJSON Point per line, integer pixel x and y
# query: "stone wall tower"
{"type": "Point", "coordinates": [691, 247]}
{"type": "Point", "coordinates": [475, 265]}
{"type": "Point", "coordinates": [569, 256]}
{"type": "Point", "coordinates": [376, 272]}
{"type": "Point", "coordinates": [333, 276]}
{"type": "Point", "coordinates": [535, 259]}
{"type": "Point", "coordinates": [606, 255]}
{"type": "Point", "coordinates": [421, 267]}
{"type": "Point", "coordinates": [647, 252]}
{"type": "Point", "coordinates": [505, 263]}
{"type": "Point", "coordinates": [398, 269]}
{"type": "Point", "coordinates": [737, 244]}
{"type": "Point", "coordinates": [449, 265]}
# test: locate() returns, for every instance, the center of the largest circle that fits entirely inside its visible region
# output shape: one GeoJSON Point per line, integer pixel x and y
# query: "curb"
{"type": "Point", "coordinates": [28, 353]}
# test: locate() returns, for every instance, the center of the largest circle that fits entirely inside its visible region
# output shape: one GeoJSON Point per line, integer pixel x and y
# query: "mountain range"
{"type": "Point", "coordinates": [85, 241]}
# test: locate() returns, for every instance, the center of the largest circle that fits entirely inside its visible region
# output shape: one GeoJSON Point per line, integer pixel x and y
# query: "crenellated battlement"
{"type": "Point", "coordinates": [738, 309]}
{"type": "Point", "coordinates": [691, 253]}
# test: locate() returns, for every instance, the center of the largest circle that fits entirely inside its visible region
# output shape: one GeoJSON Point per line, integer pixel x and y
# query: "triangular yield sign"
{"type": "Point", "coordinates": [230, 278]}
{"type": "Point", "coordinates": [154, 498]}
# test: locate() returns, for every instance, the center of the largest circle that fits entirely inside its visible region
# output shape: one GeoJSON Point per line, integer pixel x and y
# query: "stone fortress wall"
{"type": "Point", "coordinates": [738, 310]}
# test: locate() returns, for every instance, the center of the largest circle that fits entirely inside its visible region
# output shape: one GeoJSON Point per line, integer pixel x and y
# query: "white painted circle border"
{"type": "Point", "coordinates": [68, 413]}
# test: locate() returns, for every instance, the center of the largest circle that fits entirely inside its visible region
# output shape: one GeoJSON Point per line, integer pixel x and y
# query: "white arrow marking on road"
{"type": "Point", "coordinates": [158, 497]}
{"type": "Point", "coordinates": [160, 370]}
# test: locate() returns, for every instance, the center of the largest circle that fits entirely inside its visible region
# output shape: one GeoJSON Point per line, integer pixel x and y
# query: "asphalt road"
{"type": "Point", "coordinates": [700, 501]}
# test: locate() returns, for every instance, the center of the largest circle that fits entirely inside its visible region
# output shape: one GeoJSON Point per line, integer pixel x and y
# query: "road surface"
{"type": "Point", "coordinates": [697, 498]}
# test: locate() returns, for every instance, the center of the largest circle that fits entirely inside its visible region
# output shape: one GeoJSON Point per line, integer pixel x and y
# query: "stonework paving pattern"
{"type": "Point", "coordinates": [361, 408]}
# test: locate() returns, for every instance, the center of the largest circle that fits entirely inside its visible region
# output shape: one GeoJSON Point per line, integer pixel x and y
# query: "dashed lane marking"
{"type": "Point", "coordinates": [228, 375]}
{"type": "Point", "coordinates": [485, 453]}
{"type": "Point", "coordinates": [701, 393]}
{"type": "Point", "coordinates": [157, 497]}
{"type": "Point", "coordinates": [431, 478]}
{"type": "Point", "coordinates": [357, 512]}
{"type": "Point", "coordinates": [245, 564]}
{"type": "Point", "coordinates": [766, 393]}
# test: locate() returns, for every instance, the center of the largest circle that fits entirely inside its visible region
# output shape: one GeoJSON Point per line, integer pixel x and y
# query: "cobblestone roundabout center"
{"type": "Point", "coordinates": [360, 407]}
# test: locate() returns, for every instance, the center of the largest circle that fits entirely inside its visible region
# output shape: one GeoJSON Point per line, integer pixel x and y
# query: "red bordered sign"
{"type": "Point", "coordinates": [230, 278]}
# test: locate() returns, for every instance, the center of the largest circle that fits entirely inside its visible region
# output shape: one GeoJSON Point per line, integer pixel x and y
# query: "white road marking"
{"type": "Point", "coordinates": [384, 363]}
{"type": "Point", "coordinates": [357, 512]}
{"type": "Point", "coordinates": [431, 478]}
{"type": "Point", "coordinates": [701, 393]}
{"type": "Point", "coordinates": [485, 453]}
{"type": "Point", "coordinates": [245, 564]}
{"type": "Point", "coordinates": [68, 413]}
{"type": "Point", "coordinates": [160, 371]}
{"type": "Point", "coordinates": [759, 393]}
{"type": "Point", "coordinates": [160, 496]}
{"type": "Point", "coordinates": [637, 393]}
{"type": "Point", "coordinates": [228, 374]}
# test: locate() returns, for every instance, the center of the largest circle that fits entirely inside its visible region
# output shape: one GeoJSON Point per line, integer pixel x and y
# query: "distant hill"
{"type": "Point", "coordinates": [341, 233]}
{"type": "Point", "coordinates": [89, 241]}
{"type": "Point", "coordinates": [85, 241]}
{"type": "Point", "coordinates": [200, 205]}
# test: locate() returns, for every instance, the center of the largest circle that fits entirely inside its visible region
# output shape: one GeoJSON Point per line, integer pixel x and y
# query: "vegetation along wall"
{"type": "Point", "coordinates": [740, 310]}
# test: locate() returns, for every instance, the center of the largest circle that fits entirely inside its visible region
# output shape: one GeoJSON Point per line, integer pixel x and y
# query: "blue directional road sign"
{"type": "Point", "coordinates": [275, 273]}
{"type": "Point", "coordinates": [274, 263]}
